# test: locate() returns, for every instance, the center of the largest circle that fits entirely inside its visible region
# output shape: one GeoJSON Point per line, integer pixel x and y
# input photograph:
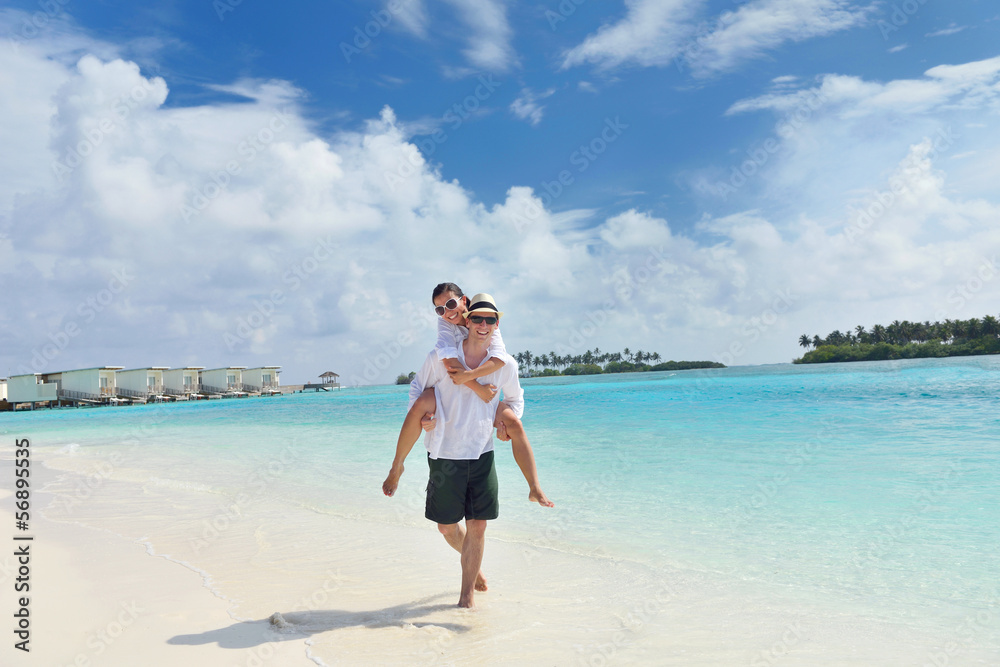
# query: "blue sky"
{"type": "Point", "coordinates": [279, 186]}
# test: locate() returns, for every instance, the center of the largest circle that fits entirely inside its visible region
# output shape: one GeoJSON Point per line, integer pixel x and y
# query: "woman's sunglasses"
{"type": "Point", "coordinates": [451, 304]}
{"type": "Point", "coordinates": [479, 319]}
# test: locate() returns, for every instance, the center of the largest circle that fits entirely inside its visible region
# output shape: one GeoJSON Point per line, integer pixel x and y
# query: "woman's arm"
{"type": "Point", "coordinates": [448, 339]}
{"type": "Point", "coordinates": [461, 376]}
{"type": "Point", "coordinates": [497, 353]}
{"type": "Point", "coordinates": [497, 349]}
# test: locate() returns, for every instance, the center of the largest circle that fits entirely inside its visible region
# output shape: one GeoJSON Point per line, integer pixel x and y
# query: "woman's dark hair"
{"type": "Point", "coordinates": [446, 287]}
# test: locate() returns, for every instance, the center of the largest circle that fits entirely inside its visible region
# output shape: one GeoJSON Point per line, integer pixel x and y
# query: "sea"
{"type": "Point", "coordinates": [835, 514]}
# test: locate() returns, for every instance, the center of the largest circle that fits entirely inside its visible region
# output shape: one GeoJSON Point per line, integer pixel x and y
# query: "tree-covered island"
{"type": "Point", "coordinates": [594, 362]}
{"type": "Point", "coordinates": [905, 340]}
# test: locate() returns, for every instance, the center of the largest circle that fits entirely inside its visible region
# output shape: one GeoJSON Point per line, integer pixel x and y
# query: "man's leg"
{"type": "Point", "coordinates": [472, 559]}
{"type": "Point", "coordinates": [524, 456]}
{"type": "Point", "coordinates": [454, 534]}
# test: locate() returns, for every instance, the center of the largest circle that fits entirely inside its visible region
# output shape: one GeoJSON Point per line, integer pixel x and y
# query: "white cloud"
{"type": "Point", "coordinates": [655, 33]}
{"type": "Point", "coordinates": [764, 25]}
{"type": "Point", "coordinates": [967, 85]}
{"type": "Point", "coordinates": [944, 32]}
{"type": "Point", "coordinates": [489, 42]}
{"type": "Point", "coordinates": [488, 33]}
{"type": "Point", "coordinates": [413, 15]}
{"type": "Point", "coordinates": [268, 92]}
{"type": "Point", "coordinates": [651, 34]}
{"type": "Point", "coordinates": [527, 107]}
{"type": "Point", "coordinates": [840, 135]}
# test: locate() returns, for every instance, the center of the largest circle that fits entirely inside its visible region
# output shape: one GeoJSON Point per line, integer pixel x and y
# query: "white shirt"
{"type": "Point", "coordinates": [464, 422]}
{"type": "Point", "coordinates": [451, 335]}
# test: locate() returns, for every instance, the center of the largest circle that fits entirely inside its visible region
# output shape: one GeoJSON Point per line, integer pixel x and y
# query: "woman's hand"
{"type": "Point", "coordinates": [461, 376]}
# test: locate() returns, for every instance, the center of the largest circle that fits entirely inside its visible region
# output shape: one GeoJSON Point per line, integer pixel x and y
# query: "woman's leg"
{"type": "Point", "coordinates": [422, 409]}
{"type": "Point", "coordinates": [524, 456]}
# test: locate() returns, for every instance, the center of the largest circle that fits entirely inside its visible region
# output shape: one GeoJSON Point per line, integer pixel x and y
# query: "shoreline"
{"type": "Point", "coordinates": [351, 592]}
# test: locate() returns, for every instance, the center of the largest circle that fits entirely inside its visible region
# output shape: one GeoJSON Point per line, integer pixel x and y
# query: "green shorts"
{"type": "Point", "coordinates": [462, 489]}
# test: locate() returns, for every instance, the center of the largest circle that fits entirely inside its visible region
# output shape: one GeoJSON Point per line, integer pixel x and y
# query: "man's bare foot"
{"type": "Point", "coordinates": [481, 583]}
{"type": "Point", "coordinates": [536, 495]}
{"type": "Point", "coordinates": [467, 602]}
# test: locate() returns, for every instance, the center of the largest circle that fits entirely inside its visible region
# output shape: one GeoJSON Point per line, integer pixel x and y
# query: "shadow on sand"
{"type": "Point", "coordinates": [297, 624]}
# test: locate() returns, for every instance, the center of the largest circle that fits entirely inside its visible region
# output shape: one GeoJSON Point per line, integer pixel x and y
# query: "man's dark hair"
{"type": "Point", "coordinates": [446, 287]}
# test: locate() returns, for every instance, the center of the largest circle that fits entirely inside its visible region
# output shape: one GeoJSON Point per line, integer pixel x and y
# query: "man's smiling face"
{"type": "Point", "coordinates": [481, 329]}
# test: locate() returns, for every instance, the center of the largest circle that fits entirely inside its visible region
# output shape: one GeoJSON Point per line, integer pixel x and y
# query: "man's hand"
{"type": "Point", "coordinates": [392, 481]}
{"type": "Point", "coordinates": [428, 421]}
{"type": "Point", "coordinates": [502, 432]}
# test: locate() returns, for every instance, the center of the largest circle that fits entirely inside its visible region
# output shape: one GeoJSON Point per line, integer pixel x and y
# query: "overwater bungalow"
{"type": "Point", "coordinates": [88, 386]}
{"type": "Point", "coordinates": [141, 384]}
{"type": "Point", "coordinates": [222, 382]}
{"type": "Point", "coordinates": [30, 389]}
{"type": "Point", "coordinates": [181, 384]}
{"type": "Point", "coordinates": [262, 380]}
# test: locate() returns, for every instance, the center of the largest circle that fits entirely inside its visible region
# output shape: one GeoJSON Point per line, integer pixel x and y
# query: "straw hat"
{"type": "Point", "coordinates": [483, 304]}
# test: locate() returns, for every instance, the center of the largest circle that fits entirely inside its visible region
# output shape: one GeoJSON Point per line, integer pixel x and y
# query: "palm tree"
{"type": "Point", "coordinates": [628, 355]}
{"type": "Point", "coordinates": [946, 329]}
{"type": "Point", "coordinates": [972, 328]}
{"type": "Point", "coordinates": [804, 341]}
{"type": "Point", "coordinates": [990, 326]}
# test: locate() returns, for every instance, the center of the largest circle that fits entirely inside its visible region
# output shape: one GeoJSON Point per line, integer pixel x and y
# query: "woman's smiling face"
{"type": "Point", "coordinates": [453, 316]}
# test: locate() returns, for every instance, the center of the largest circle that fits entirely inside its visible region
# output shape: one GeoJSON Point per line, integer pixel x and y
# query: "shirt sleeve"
{"type": "Point", "coordinates": [497, 348]}
{"type": "Point", "coordinates": [513, 395]}
{"type": "Point", "coordinates": [448, 340]}
{"type": "Point", "coordinates": [424, 378]}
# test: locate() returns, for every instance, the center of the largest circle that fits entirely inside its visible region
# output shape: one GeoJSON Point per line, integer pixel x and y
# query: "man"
{"type": "Point", "coordinates": [463, 480]}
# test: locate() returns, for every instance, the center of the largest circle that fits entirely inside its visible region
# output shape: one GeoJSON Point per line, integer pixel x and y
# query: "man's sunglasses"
{"type": "Point", "coordinates": [451, 304]}
{"type": "Point", "coordinates": [479, 319]}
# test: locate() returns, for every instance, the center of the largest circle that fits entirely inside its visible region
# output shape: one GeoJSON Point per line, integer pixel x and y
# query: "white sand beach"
{"type": "Point", "coordinates": [347, 592]}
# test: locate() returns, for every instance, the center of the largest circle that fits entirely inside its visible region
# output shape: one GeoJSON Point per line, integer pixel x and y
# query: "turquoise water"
{"type": "Point", "coordinates": [869, 487]}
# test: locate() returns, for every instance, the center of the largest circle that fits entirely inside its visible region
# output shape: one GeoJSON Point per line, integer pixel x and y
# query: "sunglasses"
{"type": "Point", "coordinates": [450, 304]}
{"type": "Point", "coordinates": [479, 319]}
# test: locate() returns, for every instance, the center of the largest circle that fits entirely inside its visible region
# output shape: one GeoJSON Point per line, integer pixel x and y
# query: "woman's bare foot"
{"type": "Point", "coordinates": [481, 583]}
{"type": "Point", "coordinates": [392, 481]}
{"type": "Point", "coordinates": [536, 495]}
